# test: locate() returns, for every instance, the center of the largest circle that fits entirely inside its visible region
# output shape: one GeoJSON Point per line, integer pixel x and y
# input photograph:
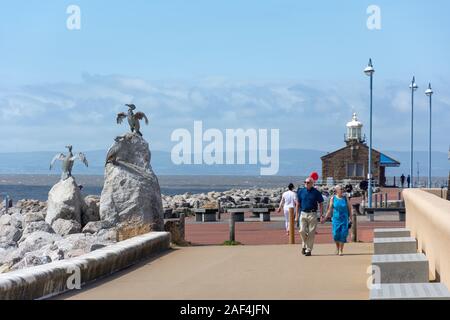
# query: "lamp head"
{"type": "Point", "coordinates": [429, 92]}
{"type": "Point", "coordinates": [369, 70]}
{"type": "Point", "coordinates": [413, 86]}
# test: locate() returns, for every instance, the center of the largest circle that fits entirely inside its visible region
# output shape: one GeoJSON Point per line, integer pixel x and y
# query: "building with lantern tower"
{"type": "Point", "coordinates": [352, 161]}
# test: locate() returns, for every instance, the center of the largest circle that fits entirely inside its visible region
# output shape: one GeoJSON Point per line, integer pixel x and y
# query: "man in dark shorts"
{"type": "Point", "coordinates": [310, 201]}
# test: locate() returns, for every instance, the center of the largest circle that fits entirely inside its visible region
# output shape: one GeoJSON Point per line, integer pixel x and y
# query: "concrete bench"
{"type": "Point", "coordinates": [394, 245]}
{"type": "Point", "coordinates": [371, 212]}
{"type": "Point", "coordinates": [205, 215]}
{"type": "Point", "coordinates": [402, 268]}
{"type": "Point", "coordinates": [239, 213]}
{"type": "Point", "coordinates": [262, 213]}
{"type": "Point", "coordinates": [391, 233]}
{"type": "Point", "coordinates": [410, 291]}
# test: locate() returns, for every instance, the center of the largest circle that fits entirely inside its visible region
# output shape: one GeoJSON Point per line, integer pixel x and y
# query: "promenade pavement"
{"type": "Point", "coordinates": [240, 272]}
{"type": "Point", "coordinates": [253, 232]}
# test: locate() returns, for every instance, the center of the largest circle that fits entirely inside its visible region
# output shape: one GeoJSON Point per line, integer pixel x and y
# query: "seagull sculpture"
{"type": "Point", "coordinates": [133, 118]}
{"type": "Point", "coordinates": [67, 162]}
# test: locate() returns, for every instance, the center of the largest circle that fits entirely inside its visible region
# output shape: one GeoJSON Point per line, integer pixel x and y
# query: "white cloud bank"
{"type": "Point", "coordinates": [313, 115]}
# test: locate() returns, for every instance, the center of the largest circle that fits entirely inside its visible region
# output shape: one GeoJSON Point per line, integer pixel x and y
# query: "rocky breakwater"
{"type": "Point", "coordinates": [254, 197]}
{"type": "Point", "coordinates": [131, 196]}
{"type": "Point", "coordinates": [67, 225]}
{"type": "Point", "coordinates": [257, 197]}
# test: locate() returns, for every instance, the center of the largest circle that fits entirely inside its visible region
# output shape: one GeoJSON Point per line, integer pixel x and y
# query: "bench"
{"type": "Point", "coordinates": [371, 212]}
{"type": "Point", "coordinates": [391, 233]}
{"type": "Point", "coordinates": [205, 215]}
{"type": "Point", "coordinates": [239, 213]}
{"type": "Point", "coordinates": [409, 291]}
{"type": "Point", "coordinates": [394, 245]}
{"type": "Point", "coordinates": [262, 213]}
{"type": "Point", "coordinates": [402, 268]}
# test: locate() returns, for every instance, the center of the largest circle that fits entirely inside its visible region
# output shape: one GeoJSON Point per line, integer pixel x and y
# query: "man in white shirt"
{"type": "Point", "coordinates": [288, 201]}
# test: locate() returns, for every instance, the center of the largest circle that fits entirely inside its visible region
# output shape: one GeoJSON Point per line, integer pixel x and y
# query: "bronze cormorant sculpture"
{"type": "Point", "coordinates": [67, 162]}
{"type": "Point", "coordinates": [133, 118]}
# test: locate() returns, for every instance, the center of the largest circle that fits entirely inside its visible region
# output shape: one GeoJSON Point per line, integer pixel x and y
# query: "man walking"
{"type": "Point", "coordinates": [408, 180]}
{"type": "Point", "coordinates": [309, 201]}
{"type": "Point", "coordinates": [402, 180]}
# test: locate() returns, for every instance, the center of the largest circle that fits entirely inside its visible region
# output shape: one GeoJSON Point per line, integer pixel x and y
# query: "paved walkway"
{"type": "Point", "coordinates": [241, 272]}
{"type": "Point", "coordinates": [273, 232]}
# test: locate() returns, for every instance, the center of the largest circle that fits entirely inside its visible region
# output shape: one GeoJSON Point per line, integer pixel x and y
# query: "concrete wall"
{"type": "Point", "coordinates": [53, 278]}
{"type": "Point", "coordinates": [441, 193]}
{"type": "Point", "coordinates": [428, 218]}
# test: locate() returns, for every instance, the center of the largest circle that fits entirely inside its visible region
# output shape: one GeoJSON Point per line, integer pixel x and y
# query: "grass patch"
{"type": "Point", "coordinates": [231, 243]}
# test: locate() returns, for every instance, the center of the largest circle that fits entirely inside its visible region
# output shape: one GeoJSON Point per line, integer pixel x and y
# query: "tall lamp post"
{"type": "Point", "coordinates": [429, 92]}
{"type": "Point", "coordinates": [369, 71]}
{"type": "Point", "coordinates": [413, 86]}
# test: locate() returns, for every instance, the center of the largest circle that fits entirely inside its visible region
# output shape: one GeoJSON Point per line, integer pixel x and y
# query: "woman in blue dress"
{"type": "Point", "coordinates": [342, 214]}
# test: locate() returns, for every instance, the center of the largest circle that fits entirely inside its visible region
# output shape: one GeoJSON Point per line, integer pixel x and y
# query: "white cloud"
{"type": "Point", "coordinates": [402, 101]}
{"type": "Point", "coordinates": [47, 116]}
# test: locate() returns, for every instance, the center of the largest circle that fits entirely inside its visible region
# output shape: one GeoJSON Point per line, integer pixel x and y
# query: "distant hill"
{"type": "Point", "coordinates": [293, 162]}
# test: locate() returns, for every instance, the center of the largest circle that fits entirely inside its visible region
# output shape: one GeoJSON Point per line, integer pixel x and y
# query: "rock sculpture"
{"type": "Point", "coordinates": [131, 196]}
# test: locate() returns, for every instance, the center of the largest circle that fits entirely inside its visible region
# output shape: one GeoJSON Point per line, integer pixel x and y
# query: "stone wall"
{"type": "Point", "coordinates": [441, 193]}
{"type": "Point", "coordinates": [428, 219]}
{"type": "Point", "coordinates": [176, 227]}
{"type": "Point", "coordinates": [53, 278]}
{"type": "Point", "coordinates": [448, 187]}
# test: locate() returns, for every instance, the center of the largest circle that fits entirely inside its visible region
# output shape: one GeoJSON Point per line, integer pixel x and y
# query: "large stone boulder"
{"type": "Point", "coordinates": [10, 231]}
{"type": "Point", "coordinates": [131, 195]}
{"type": "Point", "coordinates": [65, 202]}
{"type": "Point", "coordinates": [14, 220]}
{"type": "Point", "coordinates": [78, 244]}
{"type": "Point", "coordinates": [92, 210]}
{"type": "Point", "coordinates": [65, 227]}
{"type": "Point", "coordinates": [9, 235]}
{"type": "Point", "coordinates": [36, 226]}
{"type": "Point", "coordinates": [96, 226]}
{"type": "Point", "coordinates": [36, 241]}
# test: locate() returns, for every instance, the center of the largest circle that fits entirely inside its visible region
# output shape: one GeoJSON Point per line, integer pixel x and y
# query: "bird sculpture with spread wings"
{"type": "Point", "coordinates": [133, 118]}
{"type": "Point", "coordinates": [67, 162]}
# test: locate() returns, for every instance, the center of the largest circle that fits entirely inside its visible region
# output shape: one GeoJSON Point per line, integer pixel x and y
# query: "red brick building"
{"type": "Point", "coordinates": [352, 161]}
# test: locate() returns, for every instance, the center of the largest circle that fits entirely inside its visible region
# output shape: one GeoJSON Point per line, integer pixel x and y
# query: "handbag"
{"type": "Point", "coordinates": [349, 221]}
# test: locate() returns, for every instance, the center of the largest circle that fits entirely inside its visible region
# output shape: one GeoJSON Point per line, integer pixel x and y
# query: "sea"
{"type": "Point", "coordinates": [37, 187]}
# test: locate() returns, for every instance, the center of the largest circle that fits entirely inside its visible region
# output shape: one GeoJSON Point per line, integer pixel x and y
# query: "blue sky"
{"type": "Point", "coordinates": [293, 65]}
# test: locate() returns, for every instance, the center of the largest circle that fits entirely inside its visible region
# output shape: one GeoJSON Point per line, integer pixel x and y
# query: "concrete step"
{"type": "Point", "coordinates": [402, 268]}
{"type": "Point", "coordinates": [410, 291]}
{"type": "Point", "coordinates": [391, 233]}
{"type": "Point", "coordinates": [394, 245]}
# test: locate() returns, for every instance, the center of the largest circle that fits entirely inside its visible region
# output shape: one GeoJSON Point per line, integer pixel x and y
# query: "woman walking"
{"type": "Point", "coordinates": [288, 201]}
{"type": "Point", "coordinates": [342, 214]}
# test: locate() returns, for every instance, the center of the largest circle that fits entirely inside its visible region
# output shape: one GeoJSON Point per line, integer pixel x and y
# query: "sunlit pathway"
{"type": "Point", "coordinates": [241, 272]}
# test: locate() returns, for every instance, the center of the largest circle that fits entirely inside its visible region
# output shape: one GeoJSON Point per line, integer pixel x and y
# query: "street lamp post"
{"type": "Point", "coordinates": [413, 86]}
{"type": "Point", "coordinates": [429, 92]}
{"type": "Point", "coordinates": [369, 71]}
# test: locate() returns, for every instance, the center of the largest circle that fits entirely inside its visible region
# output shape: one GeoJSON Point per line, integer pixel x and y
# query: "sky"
{"type": "Point", "coordinates": [296, 66]}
